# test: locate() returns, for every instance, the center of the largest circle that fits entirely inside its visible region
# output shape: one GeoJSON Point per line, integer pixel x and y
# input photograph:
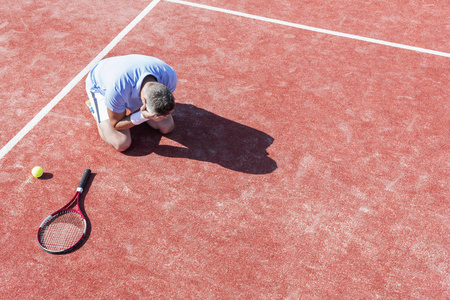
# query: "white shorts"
{"type": "Point", "coordinates": [96, 104]}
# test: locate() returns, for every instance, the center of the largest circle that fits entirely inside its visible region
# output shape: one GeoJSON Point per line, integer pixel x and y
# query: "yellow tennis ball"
{"type": "Point", "coordinates": [37, 172]}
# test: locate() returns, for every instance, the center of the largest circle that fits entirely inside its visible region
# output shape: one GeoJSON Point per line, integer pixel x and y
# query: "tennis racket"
{"type": "Point", "coordinates": [65, 228]}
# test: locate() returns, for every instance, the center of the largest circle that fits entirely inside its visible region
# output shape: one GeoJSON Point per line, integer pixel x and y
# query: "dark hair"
{"type": "Point", "coordinates": [159, 98]}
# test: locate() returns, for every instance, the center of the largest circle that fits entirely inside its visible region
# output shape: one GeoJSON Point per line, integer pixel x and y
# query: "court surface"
{"type": "Point", "coordinates": [310, 159]}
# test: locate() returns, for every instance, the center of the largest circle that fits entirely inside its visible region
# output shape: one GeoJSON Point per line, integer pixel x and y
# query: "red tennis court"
{"type": "Point", "coordinates": [310, 158]}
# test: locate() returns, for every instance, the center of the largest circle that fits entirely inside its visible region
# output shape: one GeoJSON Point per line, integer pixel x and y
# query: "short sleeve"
{"type": "Point", "coordinates": [115, 101]}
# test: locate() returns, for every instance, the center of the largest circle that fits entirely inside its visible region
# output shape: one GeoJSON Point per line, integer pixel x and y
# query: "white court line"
{"type": "Point", "coordinates": [309, 28]}
{"type": "Point", "coordinates": [18, 137]}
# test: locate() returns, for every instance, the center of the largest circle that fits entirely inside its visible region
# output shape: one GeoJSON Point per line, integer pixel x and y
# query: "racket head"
{"type": "Point", "coordinates": [62, 231]}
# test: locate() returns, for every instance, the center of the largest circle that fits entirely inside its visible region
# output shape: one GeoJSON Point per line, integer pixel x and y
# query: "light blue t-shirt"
{"type": "Point", "coordinates": [119, 79]}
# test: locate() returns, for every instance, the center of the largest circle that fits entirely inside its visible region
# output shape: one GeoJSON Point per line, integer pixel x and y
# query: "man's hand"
{"type": "Point", "coordinates": [144, 110]}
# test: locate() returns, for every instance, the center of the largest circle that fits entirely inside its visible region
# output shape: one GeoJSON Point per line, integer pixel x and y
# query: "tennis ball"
{"type": "Point", "coordinates": [37, 172]}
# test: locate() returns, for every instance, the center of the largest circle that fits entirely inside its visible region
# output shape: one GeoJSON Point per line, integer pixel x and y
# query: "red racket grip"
{"type": "Point", "coordinates": [83, 181]}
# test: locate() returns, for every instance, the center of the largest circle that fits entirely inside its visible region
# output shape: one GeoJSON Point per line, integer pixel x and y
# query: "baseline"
{"type": "Point", "coordinates": [310, 28]}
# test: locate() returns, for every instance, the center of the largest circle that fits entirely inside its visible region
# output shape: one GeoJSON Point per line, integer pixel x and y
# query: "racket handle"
{"type": "Point", "coordinates": [86, 175]}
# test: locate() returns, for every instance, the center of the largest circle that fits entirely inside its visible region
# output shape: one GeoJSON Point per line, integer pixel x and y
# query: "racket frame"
{"type": "Point", "coordinates": [76, 198]}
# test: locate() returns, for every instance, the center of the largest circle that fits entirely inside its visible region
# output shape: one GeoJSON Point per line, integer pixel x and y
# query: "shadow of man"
{"type": "Point", "coordinates": [210, 138]}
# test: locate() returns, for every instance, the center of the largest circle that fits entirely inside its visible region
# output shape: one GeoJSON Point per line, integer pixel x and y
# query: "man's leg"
{"type": "Point", "coordinates": [119, 140]}
{"type": "Point", "coordinates": [164, 126]}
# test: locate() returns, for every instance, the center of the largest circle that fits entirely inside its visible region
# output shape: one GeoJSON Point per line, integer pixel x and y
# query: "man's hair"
{"type": "Point", "coordinates": [159, 98]}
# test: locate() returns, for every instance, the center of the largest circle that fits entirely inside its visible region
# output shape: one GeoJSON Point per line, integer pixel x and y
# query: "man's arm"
{"type": "Point", "coordinates": [119, 121]}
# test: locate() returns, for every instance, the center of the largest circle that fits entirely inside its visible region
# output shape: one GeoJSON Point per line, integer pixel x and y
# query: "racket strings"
{"type": "Point", "coordinates": [62, 231]}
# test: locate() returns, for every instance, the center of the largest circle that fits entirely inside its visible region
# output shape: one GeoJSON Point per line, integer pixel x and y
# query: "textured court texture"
{"type": "Point", "coordinates": [304, 165]}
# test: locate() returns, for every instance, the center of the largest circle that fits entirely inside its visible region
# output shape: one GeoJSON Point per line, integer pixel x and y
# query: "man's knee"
{"type": "Point", "coordinates": [167, 129]}
{"type": "Point", "coordinates": [120, 141]}
{"type": "Point", "coordinates": [167, 125]}
{"type": "Point", "coordinates": [122, 145]}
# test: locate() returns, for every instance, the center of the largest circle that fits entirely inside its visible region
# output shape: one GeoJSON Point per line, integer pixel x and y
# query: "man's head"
{"type": "Point", "coordinates": [159, 98]}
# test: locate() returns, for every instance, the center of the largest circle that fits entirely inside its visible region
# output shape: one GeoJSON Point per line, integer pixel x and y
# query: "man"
{"type": "Point", "coordinates": [138, 84]}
